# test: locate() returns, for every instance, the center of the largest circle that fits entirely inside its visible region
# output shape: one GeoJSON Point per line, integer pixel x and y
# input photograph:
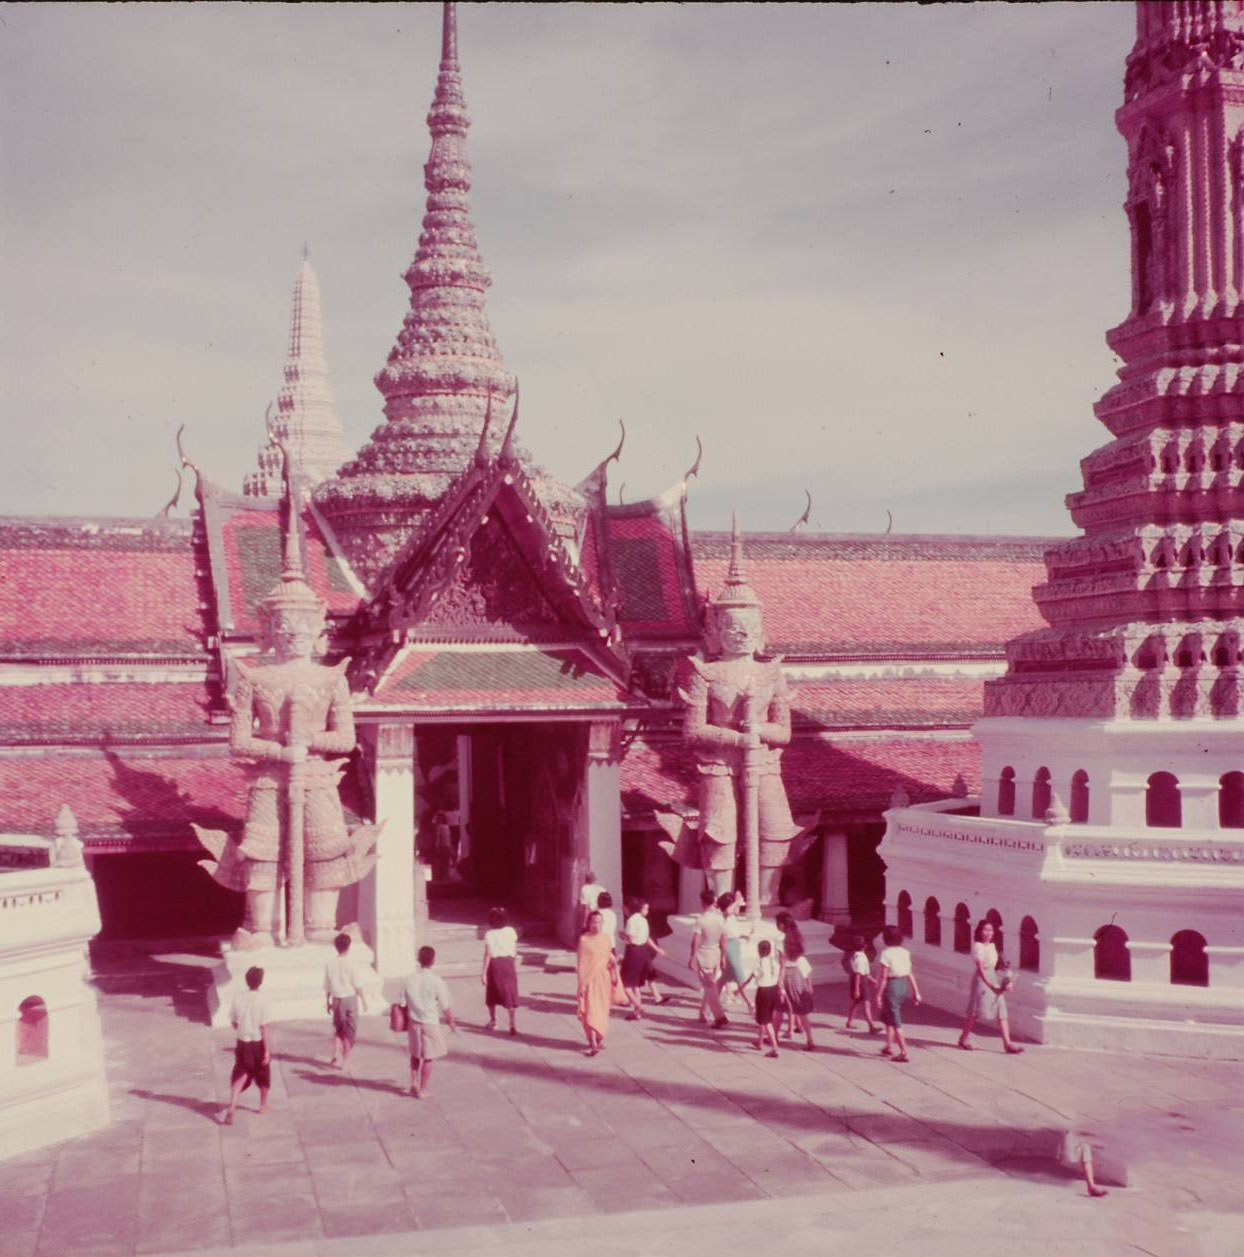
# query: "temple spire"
{"type": "Point", "coordinates": [449, 32]}
{"type": "Point", "coordinates": [306, 421]}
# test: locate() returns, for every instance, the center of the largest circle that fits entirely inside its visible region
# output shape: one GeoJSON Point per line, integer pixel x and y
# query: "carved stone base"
{"type": "Point", "coordinates": [293, 982]}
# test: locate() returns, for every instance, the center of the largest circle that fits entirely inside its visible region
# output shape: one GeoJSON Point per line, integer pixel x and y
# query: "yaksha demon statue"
{"type": "Point", "coordinates": [293, 724]}
{"type": "Point", "coordinates": [737, 719]}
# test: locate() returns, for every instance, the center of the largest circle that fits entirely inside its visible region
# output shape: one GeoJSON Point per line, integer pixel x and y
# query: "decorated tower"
{"type": "Point", "coordinates": [306, 422]}
{"type": "Point", "coordinates": [445, 369]}
{"type": "Point", "coordinates": [1110, 839]}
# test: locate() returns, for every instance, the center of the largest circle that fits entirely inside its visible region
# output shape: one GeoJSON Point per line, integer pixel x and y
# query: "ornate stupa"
{"type": "Point", "coordinates": [1144, 609]}
{"type": "Point", "coordinates": [1109, 836]}
{"type": "Point", "coordinates": [306, 422]}
{"type": "Point", "coordinates": [445, 369]}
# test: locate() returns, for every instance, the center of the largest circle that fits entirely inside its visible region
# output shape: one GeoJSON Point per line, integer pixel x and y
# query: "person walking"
{"type": "Point", "coordinates": [426, 998]}
{"type": "Point", "coordinates": [500, 972]}
{"type": "Point", "coordinates": [588, 898]}
{"type": "Point", "coordinates": [343, 991]}
{"type": "Point", "coordinates": [639, 959]}
{"type": "Point", "coordinates": [706, 957]}
{"type": "Point", "coordinates": [734, 972]}
{"type": "Point", "coordinates": [768, 995]}
{"type": "Point", "coordinates": [608, 918]}
{"type": "Point", "coordinates": [860, 979]}
{"type": "Point", "coordinates": [897, 981]}
{"type": "Point", "coordinates": [252, 1054]}
{"type": "Point", "coordinates": [987, 996]}
{"type": "Point", "coordinates": [597, 974]}
{"type": "Point", "coordinates": [797, 987]}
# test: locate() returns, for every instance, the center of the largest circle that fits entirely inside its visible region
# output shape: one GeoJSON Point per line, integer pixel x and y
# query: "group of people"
{"type": "Point", "coordinates": [780, 973]}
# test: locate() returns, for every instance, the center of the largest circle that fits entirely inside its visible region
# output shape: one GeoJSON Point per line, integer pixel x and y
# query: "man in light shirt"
{"type": "Point", "coordinates": [588, 898]}
{"type": "Point", "coordinates": [252, 1058]}
{"type": "Point", "coordinates": [705, 961]}
{"type": "Point", "coordinates": [343, 994]}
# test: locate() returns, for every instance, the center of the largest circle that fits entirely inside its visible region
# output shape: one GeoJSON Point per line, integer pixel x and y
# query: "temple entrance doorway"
{"type": "Point", "coordinates": [499, 809]}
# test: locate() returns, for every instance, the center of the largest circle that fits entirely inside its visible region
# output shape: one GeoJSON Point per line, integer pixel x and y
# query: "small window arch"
{"type": "Point", "coordinates": [1041, 794]}
{"type": "Point", "coordinates": [994, 917]}
{"type": "Point", "coordinates": [1029, 945]}
{"type": "Point", "coordinates": [905, 924]}
{"type": "Point", "coordinates": [32, 1030]}
{"type": "Point", "coordinates": [1231, 801]}
{"type": "Point", "coordinates": [932, 922]}
{"type": "Point", "coordinates": [1006, 792]}
{"type": "Point", "coordinates": [1189, 963]}
{"type": "Point", "coordinates": [1170, 459]}
{"type": "Point", "coordinates": [1163, 809]}
{"type": "Point", "coordinates": [1111, 959]}
{"type": "Point", "coordinates": [1080, 797]}
{"type": "Point", "coordinates": [963, 928]}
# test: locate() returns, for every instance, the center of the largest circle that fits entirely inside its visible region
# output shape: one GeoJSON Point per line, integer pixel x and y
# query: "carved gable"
{"type": "Point", "coordinates": [494, 586]}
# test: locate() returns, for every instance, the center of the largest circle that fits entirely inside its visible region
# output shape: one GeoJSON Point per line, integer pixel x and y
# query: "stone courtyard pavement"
{"type": "Point", "coordinates": [687, 1139]}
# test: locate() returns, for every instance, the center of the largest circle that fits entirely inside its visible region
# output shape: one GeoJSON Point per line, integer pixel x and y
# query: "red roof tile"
{"type": "Point", "coordinates": [884, 595]}
{"type": "Point", "coordinates": [851, 775]}
{"type": "Point", "coordinates": [887, 702]}
{"type": "Point", "coordinates": [247, 536]}
{"type": "Point", "coordinates": [91, 711]}
{"type": "Point", "coordinates": [129, 800]}
{"type": "Point", "coordinates": [452, 680]}
{"type": "Point", "coordinates": [80, 588]}
{"type": "Point", "coordinates": [650, 573]}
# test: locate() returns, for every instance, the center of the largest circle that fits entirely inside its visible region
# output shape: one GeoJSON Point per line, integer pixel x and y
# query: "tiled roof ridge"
{"type": "Point", "coordinates": [87, 532]}
{"type": "Point", "coordinates": [716, 543]}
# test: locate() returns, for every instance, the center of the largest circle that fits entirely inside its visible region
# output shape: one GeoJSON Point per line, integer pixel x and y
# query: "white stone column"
{"type": "Point", "coordinates": [835, 899]}
{"type": "Point", "coordinates": [603, 801]}
{"type": "Point", "coordinates": [387, 894]}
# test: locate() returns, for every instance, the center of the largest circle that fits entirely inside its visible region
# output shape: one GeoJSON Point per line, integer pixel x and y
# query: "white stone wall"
{"type": "Point", "coordinates": [47, 916]}
{"type": "Point", "coordinates": [1073, 879]}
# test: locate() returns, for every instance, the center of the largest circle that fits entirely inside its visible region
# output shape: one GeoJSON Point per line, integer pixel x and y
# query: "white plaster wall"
{"type": "Point", "coordinates": [46, 917]}
{"type": "Point", "coordinates": [1073, 879]}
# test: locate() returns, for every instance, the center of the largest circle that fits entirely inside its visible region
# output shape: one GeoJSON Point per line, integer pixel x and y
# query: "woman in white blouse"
{"type": "Point", "coordinates": [500, 972]}
{"type": "Point", "coordinates": [897, 979]}
{"type": "Point", "coordinates": [639, 959]}
{"type": "Point", "coordinates": [987, 998]}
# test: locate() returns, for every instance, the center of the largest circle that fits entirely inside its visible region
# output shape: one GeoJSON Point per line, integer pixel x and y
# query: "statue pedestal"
{"type": "Point", "coordinates": [293, 981]}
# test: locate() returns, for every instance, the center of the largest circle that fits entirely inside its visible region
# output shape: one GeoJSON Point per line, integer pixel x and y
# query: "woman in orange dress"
{"type": "Point", "coordinates": [597, 971]}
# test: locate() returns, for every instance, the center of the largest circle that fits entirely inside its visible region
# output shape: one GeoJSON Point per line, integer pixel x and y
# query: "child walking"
{"type": "Point", "coordinates": [859, 975]}
{"type": "Point", "coordinates": [897, 979]}
{"type": "Point", "coordinates": [768, 995]}
{"type": "Point", "coordinates": [252, 1057]}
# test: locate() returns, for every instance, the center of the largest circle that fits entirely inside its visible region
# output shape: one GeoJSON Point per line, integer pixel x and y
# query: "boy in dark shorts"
{"type": "Point", "coordinates": [252, 1056]}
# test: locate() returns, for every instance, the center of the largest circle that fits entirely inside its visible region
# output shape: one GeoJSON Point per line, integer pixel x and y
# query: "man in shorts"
{"type": "Point", "coordinates": [251, 1057]}
{"type": "Point", "coordinates": [342, 996]}
{"type": "Point", "coordinates": [426, 997]}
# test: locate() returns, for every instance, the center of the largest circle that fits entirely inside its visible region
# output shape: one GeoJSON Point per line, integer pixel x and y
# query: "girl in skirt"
{"type": "Point", "coordinates": [768, 995]}
{"type": "Point", "coordinates": [500, 974]}
{"type": "Point", "coordinates": [797, 983]}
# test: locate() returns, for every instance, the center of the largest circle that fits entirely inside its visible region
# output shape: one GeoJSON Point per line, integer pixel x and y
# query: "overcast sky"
{"type": "Point", "coordinates": [870, 250]}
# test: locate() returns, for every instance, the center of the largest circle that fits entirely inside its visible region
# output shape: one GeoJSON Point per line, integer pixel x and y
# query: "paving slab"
{"type": "Point", "coordinates": [665, 1133]}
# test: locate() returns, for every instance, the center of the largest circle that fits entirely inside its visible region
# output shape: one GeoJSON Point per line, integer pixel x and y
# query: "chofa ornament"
{"type": "Point", "coordinates": [293, 725]}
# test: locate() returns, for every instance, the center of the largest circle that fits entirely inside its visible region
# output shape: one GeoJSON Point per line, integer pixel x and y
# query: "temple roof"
{"type": "Point", "coordinates": [845, 595]}
{"type": "Point", "coordinates": [468, 680]}
{"type": "Point", "coordinates": [244, 545]}
{"type": "Point", "coordinates": [123, 711]}
{"type": "Point", "coordinates": [99, 587]}
{"type": "Point", "coordinates": [850, 775]}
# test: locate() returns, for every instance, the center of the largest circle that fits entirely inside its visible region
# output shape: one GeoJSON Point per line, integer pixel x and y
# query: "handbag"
{"type": "Point", "coordinates": [399, 1018]}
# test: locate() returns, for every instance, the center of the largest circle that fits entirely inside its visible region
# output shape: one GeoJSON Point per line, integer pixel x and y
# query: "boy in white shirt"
{"type": "Point", "coordinates": [252, 1058]}
{"type": "Point", "coordinates": [342, 995]}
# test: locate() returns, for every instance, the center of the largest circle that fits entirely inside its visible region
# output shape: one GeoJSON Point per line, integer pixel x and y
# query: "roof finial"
{"type": "Point", "coordinates": [449, 32]}
{"type": "Point", "coordinates": [481, 450]}
{"type": "Point", "coordinates": [807, 513]}
{"type": "Point", "coordinates": [306, 253]}
{"type": "Point", "coordinates": [507, 446]}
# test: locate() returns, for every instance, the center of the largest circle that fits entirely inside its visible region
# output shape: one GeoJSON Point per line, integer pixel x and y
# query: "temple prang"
{"type": "Point", "coordinates": [1157, 575]}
